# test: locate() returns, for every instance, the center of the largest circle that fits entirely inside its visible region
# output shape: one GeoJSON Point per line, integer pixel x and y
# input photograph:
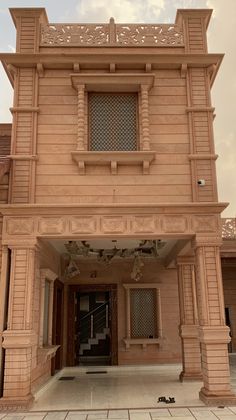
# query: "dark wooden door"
{"type": "Point", "coordinates": [73, 321]}
{"type": "Point", "coordinates": [57, 326]}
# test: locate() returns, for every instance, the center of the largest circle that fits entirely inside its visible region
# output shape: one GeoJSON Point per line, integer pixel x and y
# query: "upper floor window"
{"type": "Point", "coordinates": [113, 121]}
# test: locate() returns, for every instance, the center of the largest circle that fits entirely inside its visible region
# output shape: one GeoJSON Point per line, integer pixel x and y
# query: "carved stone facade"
{"type": "Point", "coordinates": [148, 199]}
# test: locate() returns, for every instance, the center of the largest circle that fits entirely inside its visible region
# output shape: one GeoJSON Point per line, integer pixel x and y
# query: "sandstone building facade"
{"type": "Point", "coordinates": [110, 220]}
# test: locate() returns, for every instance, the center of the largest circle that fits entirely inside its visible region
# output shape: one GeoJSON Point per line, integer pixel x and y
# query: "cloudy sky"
{"type": "Point", "coordinates": [221, 39]}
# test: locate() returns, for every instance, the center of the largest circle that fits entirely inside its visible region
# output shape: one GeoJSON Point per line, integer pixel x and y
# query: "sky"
{"type": "Point", "coordinates": [221, 39]}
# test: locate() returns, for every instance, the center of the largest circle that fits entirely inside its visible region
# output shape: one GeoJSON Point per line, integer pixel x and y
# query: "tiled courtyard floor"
{"type": "Point", "coordinates": [123, 394]}
{"type": "Point", "coordinates": [199, 413]}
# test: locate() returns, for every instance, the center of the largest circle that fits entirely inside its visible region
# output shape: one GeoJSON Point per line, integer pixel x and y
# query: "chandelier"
{"type": "Point", "coordinates": [82, 249]}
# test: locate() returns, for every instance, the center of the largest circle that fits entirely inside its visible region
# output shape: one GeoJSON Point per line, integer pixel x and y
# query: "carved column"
{"type": "Point", "coordinates": [213, 333]}
{"type": "Point", "coordinates": [145, 118]}
{"type": "Point", "coordinates": [19, 338]}
{"type": "Point", "coordinates": [191, 355]}
{"type": "Point", "coordinates": [81, 118]}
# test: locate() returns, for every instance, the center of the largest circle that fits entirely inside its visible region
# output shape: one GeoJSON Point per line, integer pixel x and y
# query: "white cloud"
{"type": "Point", "coordinates": [5, 97]}
{"type": "Point", "coordinates": [122, 11]}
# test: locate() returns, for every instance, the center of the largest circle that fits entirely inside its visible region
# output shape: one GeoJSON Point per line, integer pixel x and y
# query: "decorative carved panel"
{"type": "Point", "coordinates": [204, 223]}
{"type": "Point", "coordinates": [20, 226]}
{"type": "Point", "coordinates": [51, 225]}
{"type": "Point", "coordinates": [152, 35]}
{"type": "Point", "coordinates": [74, 34]}
{"type": "Point", "coordinates": [83, 225]}
{"type": "Point", "coordinates": [109, 34]}
{"type": "Point", "coordinates": [174, 224]}
{"type": "Point", "coordinates": [143, 224]}
{"type": "Point", "coordinates": [229, 228]}
{"type": "Point", "coordinates": [113, 225]}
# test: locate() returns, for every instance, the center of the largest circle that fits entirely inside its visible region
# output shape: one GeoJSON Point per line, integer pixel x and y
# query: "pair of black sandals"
{"type": "Point", "coordinates": [169, 400]}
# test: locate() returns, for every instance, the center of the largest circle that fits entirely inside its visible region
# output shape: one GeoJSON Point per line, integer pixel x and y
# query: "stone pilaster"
{"type": "Point", "coordinates": [191, 355]}
{"type": "Point", "coordinates": [19, 338]}
{"type": "Point", "coordinates": [213, 333]}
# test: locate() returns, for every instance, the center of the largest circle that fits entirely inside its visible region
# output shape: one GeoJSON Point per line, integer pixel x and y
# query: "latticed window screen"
{"type": "Point", "coordinates": [143, 313]}
{"type": "Point", "coordinates": [113, 122]}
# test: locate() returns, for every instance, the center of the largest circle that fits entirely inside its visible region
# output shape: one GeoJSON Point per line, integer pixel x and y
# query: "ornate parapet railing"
{"type": "Point", "coordinates": [167, 35]}
{"type": "Point", "coordinates": [229, 228]}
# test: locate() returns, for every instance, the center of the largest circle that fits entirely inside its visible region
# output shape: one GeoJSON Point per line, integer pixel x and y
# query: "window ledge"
{"type": "Point", "coordinates": [47, 352]}
{"type": "Point", "coordinates": [113, 159]}
{"type": "Point", "coordinates": [144, 342]}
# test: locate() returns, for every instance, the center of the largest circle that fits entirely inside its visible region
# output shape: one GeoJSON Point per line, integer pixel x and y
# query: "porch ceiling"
{"type": "Point", "coordinates": [166, 246]}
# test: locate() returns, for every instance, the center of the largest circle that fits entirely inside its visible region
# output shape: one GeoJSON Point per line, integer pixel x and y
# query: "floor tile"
{"type": "Point", "coordinates": [34, 417]}
{"type": "Point", "coordinates": [203, 414]}
{"type": "Point", "coordinates": [118, 414]}
{"type": "Point", "coordinates": [160, 412]}
{"type": "Point", "coordinates": [97, 415]}
{"type": "Point", "coordinates": [15, 416]}
{"type": "Point", "coordinates": [175, 412]}
{"type": "Point", "coordinates": [56, 415]}
{"type": "Point", "coordinates": [144, 415]}
{"type": "Point", "coordinates": [227, 417]}
{"type": "Point", "coordinates": [177, 418]}
{"type": "Point", "coordinates": [76, 416]}
{"type": "Point", "coordinates": [222, 411]}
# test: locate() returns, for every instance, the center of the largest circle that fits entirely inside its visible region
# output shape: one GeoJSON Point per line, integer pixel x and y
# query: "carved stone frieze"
{"type": "Point", "coordinates": [20, 226]}
{"type": "Point", "coordinates": [174, 224]}
{"type": "Point", "coordinates": [106, 223]}
{"type": "Point", "coordinates": [83, 225]}
{"type": "Point", "coordinates": [51, 225]}
{"type": "Point", "coordinates": [143, 224]}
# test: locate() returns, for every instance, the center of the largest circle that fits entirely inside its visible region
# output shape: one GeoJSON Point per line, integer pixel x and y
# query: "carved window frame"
{"type": "Point", "coordinates": [139, 83]}
{"type": "Point", "coordinates": [46, 275]}
{"type": "Point", "coordinates": [144, 342]}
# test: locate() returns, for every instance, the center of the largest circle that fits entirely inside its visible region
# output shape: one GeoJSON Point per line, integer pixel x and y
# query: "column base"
{"type": "Point", "coordinates": [210, 399]}
{"type": "Point", "coordinates": [16, 404]}
{"type": "Point", "coordinates": [194, 376]}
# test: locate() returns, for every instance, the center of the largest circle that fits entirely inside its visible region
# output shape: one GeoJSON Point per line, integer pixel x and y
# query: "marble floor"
{"type": "Point", "coordinates": [123, 393]}
{"type": "Point", "coordinates": [121, 387]}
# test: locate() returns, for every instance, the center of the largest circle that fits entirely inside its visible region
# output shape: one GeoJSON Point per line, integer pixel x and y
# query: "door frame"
{"type": "Point", "coordinates": [58, 311]}
{"type": "Point", "coordinates": [86, 288]}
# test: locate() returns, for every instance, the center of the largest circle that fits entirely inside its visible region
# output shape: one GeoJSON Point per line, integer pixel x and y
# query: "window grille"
{"type": "Point", "coordinates": [143, 313]}
{"type": "Point", "coordinates": [113, 122]}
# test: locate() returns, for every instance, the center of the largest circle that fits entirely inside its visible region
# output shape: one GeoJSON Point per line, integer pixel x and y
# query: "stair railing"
{"type": "Point", "coordinates": [94, 322]}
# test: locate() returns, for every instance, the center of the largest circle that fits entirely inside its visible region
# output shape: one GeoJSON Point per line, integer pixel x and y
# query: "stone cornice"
{"type": "Point", "coordinates": [162, 208]}
{"type": "Point", "coordinates": [108, 55]}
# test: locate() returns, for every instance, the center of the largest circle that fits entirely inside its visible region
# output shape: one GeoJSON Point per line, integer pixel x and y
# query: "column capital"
{"type": "Point", "coordinates": [185, 260]}
{"type": "Point", "coordinates": [206, 240]}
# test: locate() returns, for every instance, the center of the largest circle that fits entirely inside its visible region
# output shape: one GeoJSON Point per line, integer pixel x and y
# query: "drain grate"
{"type": "Point", "coordinates": [93, 372]}
{"type": "Point", "coordinates": [66, 378]}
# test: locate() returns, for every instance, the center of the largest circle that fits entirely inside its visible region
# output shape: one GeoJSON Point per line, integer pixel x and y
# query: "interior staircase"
{"type": "Point", "coordinates": [94, 341]}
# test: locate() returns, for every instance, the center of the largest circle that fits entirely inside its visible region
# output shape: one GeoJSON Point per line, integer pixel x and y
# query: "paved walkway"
{"type": "Point", "coordinates": [199, 413]}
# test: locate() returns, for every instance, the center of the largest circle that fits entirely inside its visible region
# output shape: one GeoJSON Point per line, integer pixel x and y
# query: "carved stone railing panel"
{"type": "Point", "coordinates": [111, 34]}
{"type": "Point", "coordinates": [149, 35]}
{"type": "Point", "coordinates": [229, 228]}
{"type": "Point", "coordinates": [73, 35]}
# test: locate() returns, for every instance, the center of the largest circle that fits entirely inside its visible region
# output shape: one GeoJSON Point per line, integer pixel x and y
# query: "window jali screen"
{"type": "Point", "coordinates": [112, 122]}
{"type": "Point", "coordinates": [143, 313]}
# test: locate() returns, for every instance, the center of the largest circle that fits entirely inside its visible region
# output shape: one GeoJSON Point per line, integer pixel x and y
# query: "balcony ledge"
{"type": "Point", "coordinates": [113, 159]}
{"type": "Point", "coordinates": [144, 342]}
